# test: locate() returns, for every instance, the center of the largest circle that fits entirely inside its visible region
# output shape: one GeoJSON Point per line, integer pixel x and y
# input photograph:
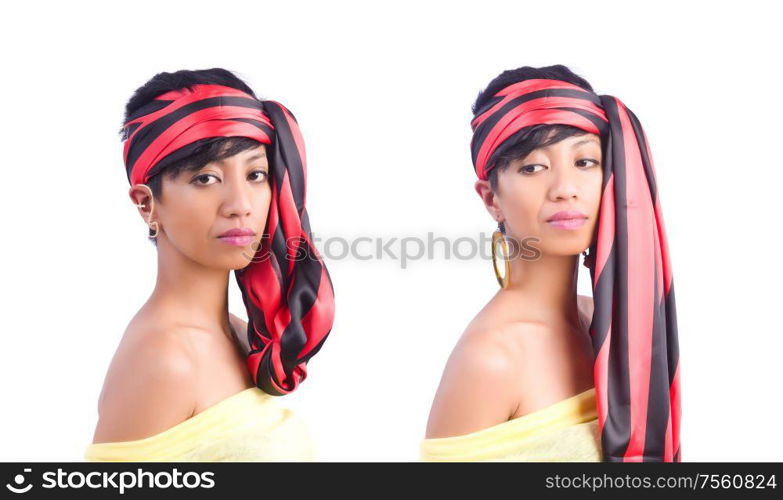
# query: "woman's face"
{"type": "Point", "coordinates": [560, 180]}
{"type": "Point", "coordinates": [199, 207]}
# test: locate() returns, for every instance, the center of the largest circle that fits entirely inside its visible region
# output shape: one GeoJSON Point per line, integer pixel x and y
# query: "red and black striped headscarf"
{"type": "Point", "coordinates": [286, 288]}
{"type": "Point", "coordinates": [634, 324]}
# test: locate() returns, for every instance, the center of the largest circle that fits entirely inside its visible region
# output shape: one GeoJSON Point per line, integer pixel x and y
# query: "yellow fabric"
{"type": "Point", "coordinates": [249, 426]}
{"type": "Point", "coordinates": [566, 431]}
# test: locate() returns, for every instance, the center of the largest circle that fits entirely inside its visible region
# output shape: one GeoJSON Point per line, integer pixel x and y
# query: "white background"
{"type": "Point", "coordinates": [383, 95]}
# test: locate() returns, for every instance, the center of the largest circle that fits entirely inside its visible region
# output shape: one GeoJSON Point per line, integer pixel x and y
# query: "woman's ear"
{"type": "Point", "coordinates": [484, 190]}
{"type": "Point", "coordinates": [141, 196]}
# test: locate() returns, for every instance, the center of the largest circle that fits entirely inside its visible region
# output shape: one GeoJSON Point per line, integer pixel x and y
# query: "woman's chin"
{"type": "Point", "coordinates": [564, 250]}
{"type": "Point", "coordinates": [239, 263]}
{"type": "Point", "coordinates": [234, 260]}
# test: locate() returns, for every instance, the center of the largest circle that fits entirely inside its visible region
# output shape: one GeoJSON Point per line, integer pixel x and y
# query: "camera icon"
{"type": "Point", "coordinates": [19, 480]}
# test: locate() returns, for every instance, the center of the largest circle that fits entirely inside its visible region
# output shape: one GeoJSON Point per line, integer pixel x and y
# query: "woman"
{"type": "Point", "coordinates": [219, 177]}
{"type": "Point", "coordinates": [541, 374]}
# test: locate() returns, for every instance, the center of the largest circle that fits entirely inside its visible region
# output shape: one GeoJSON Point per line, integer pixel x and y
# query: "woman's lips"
{"type": "Point", "coordinates": [567, 223]}
{"type": "Point", "coordinates": [239, 241]}
{"type": "Point", "coordinates": [567, 219]}
{"type": "Point", "coordinates": [240, 236]}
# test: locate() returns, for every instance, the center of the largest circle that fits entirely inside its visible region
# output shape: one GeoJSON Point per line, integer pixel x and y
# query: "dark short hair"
{"type": "Point", "coordinates": [535, 136]}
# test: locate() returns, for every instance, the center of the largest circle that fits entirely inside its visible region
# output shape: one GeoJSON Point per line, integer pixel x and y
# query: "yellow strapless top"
{"type": "Point", "coordinates": [566, 431]}
{"type": "Point", "coordinates": [249, 426]}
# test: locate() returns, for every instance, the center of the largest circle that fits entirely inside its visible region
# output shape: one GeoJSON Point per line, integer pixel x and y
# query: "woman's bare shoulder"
{"type": "Point", "coordinates": [479, 386]}
{"type": "Point", "coordinates": [149, 386]}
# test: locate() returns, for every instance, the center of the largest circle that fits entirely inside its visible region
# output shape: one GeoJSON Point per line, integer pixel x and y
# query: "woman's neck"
{"type": "Point", "coordinates": [190, 292]}
{"type": "Point", "coordinates": [547, 286]}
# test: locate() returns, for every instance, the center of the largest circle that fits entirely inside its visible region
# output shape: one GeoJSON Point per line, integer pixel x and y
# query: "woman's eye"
{"type": "Point", "coordinates": [580, 163]}
{"type": "Point", "coordinates": [258, 175]}
{"type": "Point", "coordinates": [203, 179]}
{"type": "Point", "coordinates": [530, 169]}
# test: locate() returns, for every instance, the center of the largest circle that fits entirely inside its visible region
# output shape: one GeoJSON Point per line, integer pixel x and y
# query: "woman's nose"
{"type": "Point", "coordinates": [238, 200]}
{"type": "Point", "coordinates": [564, 183]}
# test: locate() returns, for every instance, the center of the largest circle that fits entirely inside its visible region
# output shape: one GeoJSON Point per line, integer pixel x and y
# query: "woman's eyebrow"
{"type": "Point", "coordinates": [584, 141]}
{"type": "Point", "coordinates": [256, 156]}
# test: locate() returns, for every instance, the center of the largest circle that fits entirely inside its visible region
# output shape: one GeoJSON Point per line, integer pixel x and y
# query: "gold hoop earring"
{"type": "Point", "coordinates": [499, 240]}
